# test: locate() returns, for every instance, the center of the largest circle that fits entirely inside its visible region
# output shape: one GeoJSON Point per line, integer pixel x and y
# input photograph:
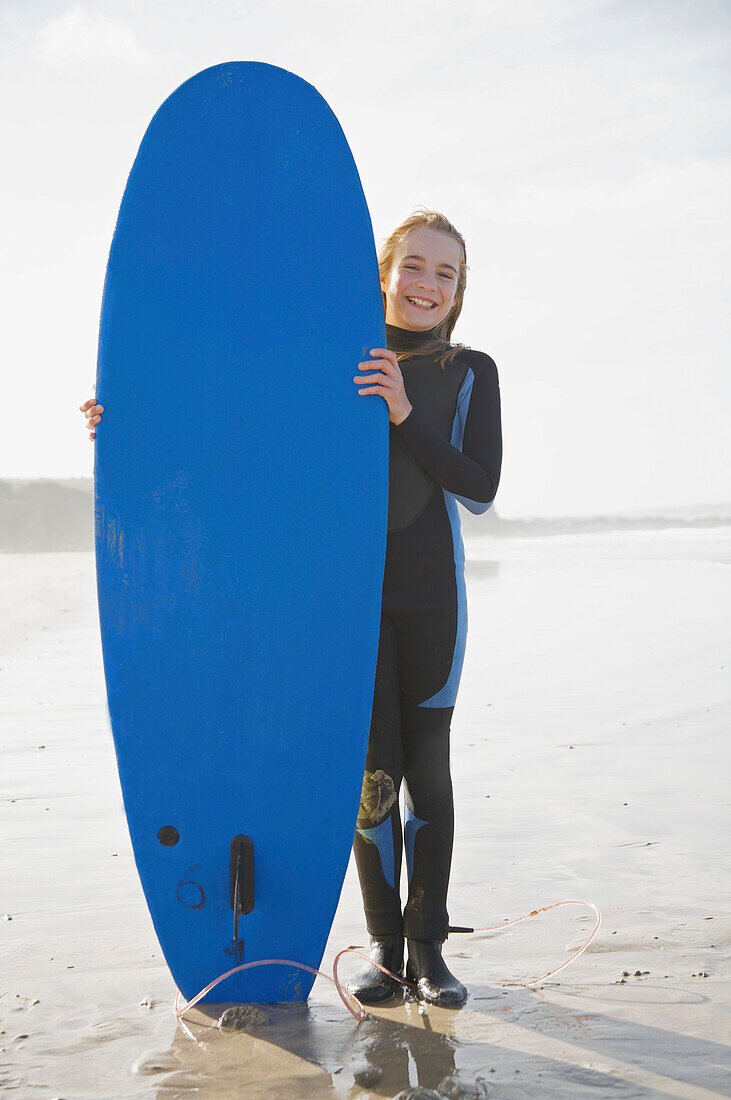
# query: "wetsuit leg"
{"type": "Point", "coordinates": [421, 648]}
{"type": "Point", "coordinates": [378, 842]}
{"type": "Point", "coordinates": [408, 740]}
{"type": "Point", "coordinates": [426, 649]}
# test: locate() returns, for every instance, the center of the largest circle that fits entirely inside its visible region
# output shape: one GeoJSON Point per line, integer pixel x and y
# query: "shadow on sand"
{"type": "Point", "coordinates": [504, 1043]}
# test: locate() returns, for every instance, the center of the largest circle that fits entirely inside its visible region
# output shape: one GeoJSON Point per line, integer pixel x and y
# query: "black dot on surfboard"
{"type": "Point", "coordinates": [168, 835]}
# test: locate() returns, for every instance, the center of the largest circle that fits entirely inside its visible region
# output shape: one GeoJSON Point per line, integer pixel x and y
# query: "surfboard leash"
{"type": "Point", "coordinates": [349, 999]}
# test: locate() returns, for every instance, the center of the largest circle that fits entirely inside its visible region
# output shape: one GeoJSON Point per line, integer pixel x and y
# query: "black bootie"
{"type": "Point", "coordinates": [434, 982]}
{"type": "Point", "coordinates": [369, 984]}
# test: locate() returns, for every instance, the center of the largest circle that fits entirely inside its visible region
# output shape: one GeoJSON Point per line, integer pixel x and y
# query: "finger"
{"type": "Point", "coordinates": [384, 353]}
{"type": "Point", "coordinates": [380, 377]}
{"type": "Point", "coordinates": [389, 365]}
{"type": "Point", "coordinates": [384, 365]}
{"type": "Point", "coordinates": [376, 389]}
{"type": "Point", "coordinates": [92, 421]}
{"type": "Point", "coordinates": [370, 365]}
{"type": "Point", "coordinates": [92, 435]}
{"type": "Point", "coordinates": [88, 404]}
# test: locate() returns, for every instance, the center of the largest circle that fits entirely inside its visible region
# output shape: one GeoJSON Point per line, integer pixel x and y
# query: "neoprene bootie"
{"type": "Point", "coordinates": [369, 984]}
{"type": "Point", "coordinates": [428, 970]}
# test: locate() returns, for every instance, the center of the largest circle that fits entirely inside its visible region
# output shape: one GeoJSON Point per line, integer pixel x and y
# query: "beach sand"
{"type": "Point", "coordinates": [591, 761]}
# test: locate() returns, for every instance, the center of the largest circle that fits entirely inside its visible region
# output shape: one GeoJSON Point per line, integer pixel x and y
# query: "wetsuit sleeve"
{"type": "Point", "coordinates": [473, 471]}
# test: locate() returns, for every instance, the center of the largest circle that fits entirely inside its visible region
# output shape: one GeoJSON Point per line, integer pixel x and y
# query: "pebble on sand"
{"type": "Point", "coordinates": [242, 1018]}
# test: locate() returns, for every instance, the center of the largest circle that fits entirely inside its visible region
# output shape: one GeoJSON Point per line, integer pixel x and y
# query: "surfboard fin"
{"type": "Point", "coordinates": [242, 878]}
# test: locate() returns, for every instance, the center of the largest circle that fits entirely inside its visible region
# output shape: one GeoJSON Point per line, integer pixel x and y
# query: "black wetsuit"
{"type": "Point", "coordinates": [449, 448]}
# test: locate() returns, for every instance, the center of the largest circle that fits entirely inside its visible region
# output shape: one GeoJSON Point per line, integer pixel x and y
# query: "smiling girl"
{"type": "Point", "coordinates": [445, 445]}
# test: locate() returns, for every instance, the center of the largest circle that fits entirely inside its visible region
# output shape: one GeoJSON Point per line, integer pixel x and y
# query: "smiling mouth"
{"type": "Point", "coordinates": [422, 303]}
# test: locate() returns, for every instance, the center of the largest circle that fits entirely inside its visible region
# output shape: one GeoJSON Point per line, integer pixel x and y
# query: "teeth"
{"type": "Point", "coordinates": [422, 302]}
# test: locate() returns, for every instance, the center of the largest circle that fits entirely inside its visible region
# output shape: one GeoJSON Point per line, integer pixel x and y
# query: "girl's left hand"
{"type": "Point", "coordinates": [388, 383]}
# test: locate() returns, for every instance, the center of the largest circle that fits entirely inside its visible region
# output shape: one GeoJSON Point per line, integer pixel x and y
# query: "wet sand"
{"type": "Point", "coordinates": [591, 759]}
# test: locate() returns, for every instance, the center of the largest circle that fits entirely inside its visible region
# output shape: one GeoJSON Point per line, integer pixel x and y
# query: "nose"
{"type": "Point", "coordinates": [427, 281]}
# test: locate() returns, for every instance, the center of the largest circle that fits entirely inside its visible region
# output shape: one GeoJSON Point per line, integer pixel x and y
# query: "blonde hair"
{"type": "Point", "coordinates": [441, 346]}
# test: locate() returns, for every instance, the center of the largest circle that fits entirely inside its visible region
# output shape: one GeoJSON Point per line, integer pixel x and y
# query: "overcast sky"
{"type": "Point", "coordinates": [581, 146]}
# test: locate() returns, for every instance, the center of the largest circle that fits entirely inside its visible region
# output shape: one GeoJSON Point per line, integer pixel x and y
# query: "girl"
{"type": "Point", "coordinates": [445, 445]}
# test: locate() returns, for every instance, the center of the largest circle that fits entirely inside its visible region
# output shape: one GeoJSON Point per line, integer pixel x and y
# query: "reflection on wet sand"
{"type": "Point", "coordinates": [518, 1041]}
{"type": "Point", "coordinates": [334, 1054]}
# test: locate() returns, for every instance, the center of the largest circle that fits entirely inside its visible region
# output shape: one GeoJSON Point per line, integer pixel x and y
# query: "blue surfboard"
{"type": "Point", "coordinates": [241, 500]}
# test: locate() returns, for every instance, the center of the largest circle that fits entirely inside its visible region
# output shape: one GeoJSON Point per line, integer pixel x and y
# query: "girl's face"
{"type": "Point", "coordinates": [422, 283]}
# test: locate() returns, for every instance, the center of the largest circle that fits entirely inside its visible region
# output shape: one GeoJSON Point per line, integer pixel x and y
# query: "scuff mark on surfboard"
{"type": "Point", "coordinates": [291, 989]}
{"type": "Point", "coordinates": [236, 950]}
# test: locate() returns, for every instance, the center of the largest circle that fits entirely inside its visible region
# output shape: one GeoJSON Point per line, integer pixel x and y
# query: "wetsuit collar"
{"type": "Point", "coordinates": [404, 339]}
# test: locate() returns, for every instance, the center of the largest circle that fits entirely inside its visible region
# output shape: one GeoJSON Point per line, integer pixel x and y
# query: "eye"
{"type": "Point", "coordinates": [445, 275]}
{"type": "Point", "coordinates": [411, 267]}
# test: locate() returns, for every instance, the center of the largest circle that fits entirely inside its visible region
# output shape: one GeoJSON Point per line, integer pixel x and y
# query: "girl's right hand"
{"type": "Point", "coordinates": [93, 414]}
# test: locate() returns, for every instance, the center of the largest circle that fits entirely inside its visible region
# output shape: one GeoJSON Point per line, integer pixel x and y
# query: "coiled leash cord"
{"type": "Point", "coordinates": [349, 999]}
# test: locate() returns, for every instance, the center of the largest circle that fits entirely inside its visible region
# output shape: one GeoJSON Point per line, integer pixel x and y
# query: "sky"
{"type": "Point", "coordinates": [582, 147]}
